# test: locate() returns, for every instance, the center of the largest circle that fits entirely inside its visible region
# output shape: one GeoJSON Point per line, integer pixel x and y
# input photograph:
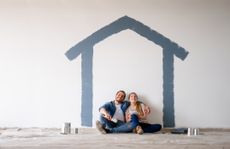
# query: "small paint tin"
{"type": "Point", "coordinates": [190, 132]}
{"type": "Point", "coordinates": [75, 130]}
{"type": "Point", "coordinates": [196, 131]}
{"type": "Point", "coordinates": [114, 120]}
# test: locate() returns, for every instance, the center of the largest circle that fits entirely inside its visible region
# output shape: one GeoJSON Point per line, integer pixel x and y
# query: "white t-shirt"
{"type": "Point", "coordinates": [119, 115]}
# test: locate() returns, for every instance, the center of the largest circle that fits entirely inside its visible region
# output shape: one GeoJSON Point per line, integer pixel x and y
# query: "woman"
{"type": "Point", "coordinates": [137, 107]}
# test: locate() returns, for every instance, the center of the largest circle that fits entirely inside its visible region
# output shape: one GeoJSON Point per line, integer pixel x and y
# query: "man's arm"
{"type": "Point", "coordinates": [105, 113]}
{"type": "Point", "coordinates": [105, 110]}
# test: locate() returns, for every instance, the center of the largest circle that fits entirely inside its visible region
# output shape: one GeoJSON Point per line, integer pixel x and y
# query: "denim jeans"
{"type": "Point", "coordinates": [150, 128]}
{"type": "Point", "coordinates": [120, 126]}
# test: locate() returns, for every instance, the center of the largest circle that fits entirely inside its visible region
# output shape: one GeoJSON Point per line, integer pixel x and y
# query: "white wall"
{"type": "Point", "coordinates": [40, 87]}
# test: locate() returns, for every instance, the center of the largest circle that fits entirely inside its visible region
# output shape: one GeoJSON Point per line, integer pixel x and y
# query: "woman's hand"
{"type": "Point", "coordinates": [128, 117]}
{"type": "Point", "coordinates": [146, 110]}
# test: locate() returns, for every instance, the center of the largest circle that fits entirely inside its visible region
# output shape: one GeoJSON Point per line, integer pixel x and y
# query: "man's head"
{"type": "Point", "coordinates": [120, 96]}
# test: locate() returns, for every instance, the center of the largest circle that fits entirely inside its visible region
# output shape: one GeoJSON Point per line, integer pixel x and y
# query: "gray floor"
{"type": "Point", "coordinates": [90, 138]}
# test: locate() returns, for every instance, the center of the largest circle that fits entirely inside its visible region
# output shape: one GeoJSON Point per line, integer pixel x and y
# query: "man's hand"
{"type": "Point", "coordinates": [107, 116]}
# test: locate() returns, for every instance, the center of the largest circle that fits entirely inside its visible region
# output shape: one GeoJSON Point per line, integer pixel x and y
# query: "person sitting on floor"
{"type": "Point", "coordinates": [137, 108]}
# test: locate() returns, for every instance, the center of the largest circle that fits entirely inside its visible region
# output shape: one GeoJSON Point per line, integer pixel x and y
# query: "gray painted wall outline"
{"type": "Point", "coordinates": [85, 48]}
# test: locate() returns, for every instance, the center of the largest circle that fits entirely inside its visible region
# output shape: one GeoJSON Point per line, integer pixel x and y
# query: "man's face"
{"type": "Point", "coordinates": [120, 96]}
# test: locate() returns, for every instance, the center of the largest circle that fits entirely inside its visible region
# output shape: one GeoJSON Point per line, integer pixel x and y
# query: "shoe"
{"type": "Point", "coordinates": [139, 130]}
{"type": "Point", "coordinates": [100, 127]}
{"type": "Point", "coordinates": [134, 130]}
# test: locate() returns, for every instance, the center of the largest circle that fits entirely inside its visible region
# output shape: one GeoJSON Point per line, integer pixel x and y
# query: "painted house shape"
{"type": "Point", "coordinates": [85, 48]}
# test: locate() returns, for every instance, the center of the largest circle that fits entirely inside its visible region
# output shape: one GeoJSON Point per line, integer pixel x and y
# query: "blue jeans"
{"type": "Point", "coordinates": [120, 126]}
{"type": "Point", "coordinates": [150, 128]}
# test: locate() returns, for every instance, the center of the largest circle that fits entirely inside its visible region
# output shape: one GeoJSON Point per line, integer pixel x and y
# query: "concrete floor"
{"type": "Point", "coordinates": [27, 138]}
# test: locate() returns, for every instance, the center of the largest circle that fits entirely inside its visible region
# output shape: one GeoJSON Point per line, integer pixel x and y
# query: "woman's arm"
{"type": "Point", "coordinates": [145, 111]}
{"type": "Point", "coordinates": [127, 116]}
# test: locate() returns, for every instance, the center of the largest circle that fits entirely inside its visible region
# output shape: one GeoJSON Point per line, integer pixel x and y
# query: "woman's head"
{"type": "Point", "coordinates": [133, 97]}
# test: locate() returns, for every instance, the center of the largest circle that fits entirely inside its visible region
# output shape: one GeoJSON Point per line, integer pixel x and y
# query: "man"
{"type": "Point", "coordinates": [112, 118]}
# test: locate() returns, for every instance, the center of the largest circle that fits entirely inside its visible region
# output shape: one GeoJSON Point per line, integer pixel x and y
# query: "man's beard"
{"type": "Point", "coordinates": [119, 101]}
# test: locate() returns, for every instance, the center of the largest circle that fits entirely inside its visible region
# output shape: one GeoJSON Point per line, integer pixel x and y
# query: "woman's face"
{"type": "Point", "coordinates": [133, 98]}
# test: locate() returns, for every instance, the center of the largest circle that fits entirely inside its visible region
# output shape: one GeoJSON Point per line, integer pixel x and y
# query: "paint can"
{"type": "Point", "coordinates": [66, 128]}
{"type": "Point", "coordinates": [196, 131]}
{"type": "Point", "coordinates": [190, 132]}
{"type": "Point", "coordinates": [75, 130]}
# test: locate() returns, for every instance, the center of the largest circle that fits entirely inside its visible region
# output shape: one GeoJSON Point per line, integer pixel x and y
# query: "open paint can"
{"type": "Point", "coordinates": [193, 132]}
{"type": "Point", "coordinates": [66, 128]}
{"type": "Point", "coordinates": [196, 131]}
{"type": "Point", "coordinates": [190, 132]}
